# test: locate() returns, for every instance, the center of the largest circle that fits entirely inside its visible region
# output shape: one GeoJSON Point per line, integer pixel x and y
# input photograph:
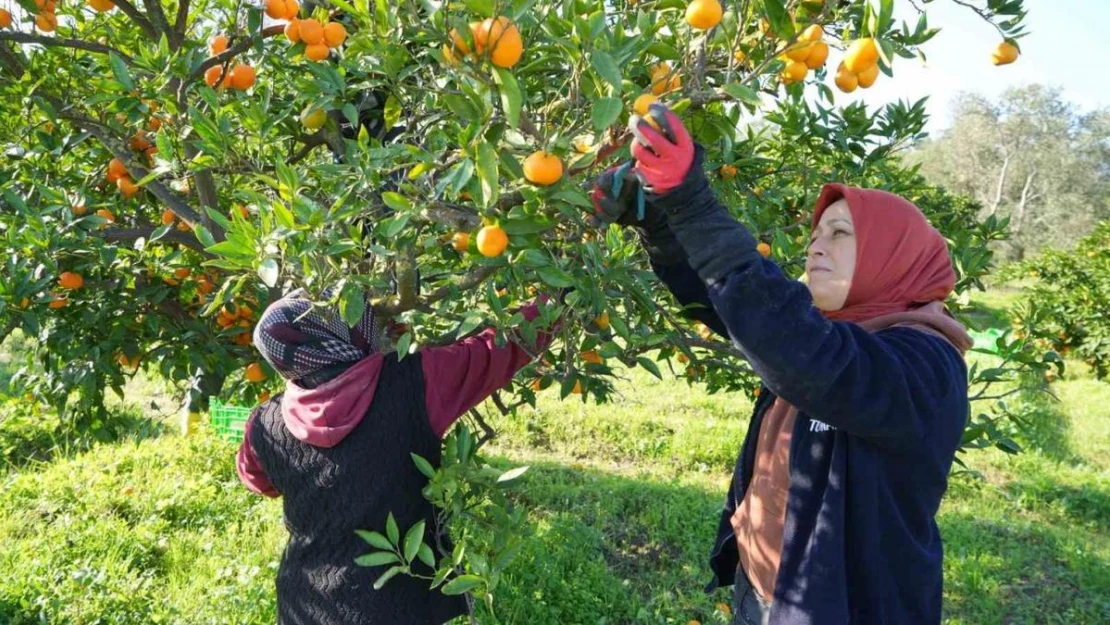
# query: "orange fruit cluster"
{"type": "Point", "coordinates": [860, 67]}
{"type": "Point", "coordinates": [318, 38]}
{"type": "Point", "coordinates": [498, 38]}
{"type": "Point", "coordinates": [241, 317]}
{"type": "Point", "coordinates": [47, 18]}
{"type": "Point", "coordinates": [808, 53]}
{"type": "Point", "coordinates": [118, 175]}
{"type": "Point", "coordinates": [664, 80]}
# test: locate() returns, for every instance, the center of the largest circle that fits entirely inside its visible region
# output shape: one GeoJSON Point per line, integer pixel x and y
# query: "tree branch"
{"type": "Point", "coordinates": [158, 17]}
{"type": "Point", "coordinates": [58, 42]}
{"type": "Point", "coordinates": [120, 151]}
{"type": "Point", "coordinates": [180, 23]}
{"type": "Point", "coordinates": [10, 61]}
{"type": "Point", "coordinates": [464, 283]}
{"type": "Point", "coordinates": [125, 235]}
{"type": "Point", "coordinates": [233, 50]}
{"type": "Point", "coordinates": [140, 20]}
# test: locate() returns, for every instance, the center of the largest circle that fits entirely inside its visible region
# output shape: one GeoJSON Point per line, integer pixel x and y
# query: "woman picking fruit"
{"type": "Point", "coordinates": [830, 517]}
{"type": "Point", "coordinates": [336, 446]}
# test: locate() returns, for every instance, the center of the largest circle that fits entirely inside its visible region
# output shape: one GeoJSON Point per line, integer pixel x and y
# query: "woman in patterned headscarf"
{"type": "Point", "coordinates": [337, 445]}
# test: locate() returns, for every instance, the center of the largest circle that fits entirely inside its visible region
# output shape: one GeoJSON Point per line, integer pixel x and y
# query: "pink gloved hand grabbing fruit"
{"type": "Point", "coordinates": [662, 148]}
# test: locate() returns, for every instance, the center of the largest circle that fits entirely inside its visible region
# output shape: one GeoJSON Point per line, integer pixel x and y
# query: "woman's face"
{"type": "Point", "coordinates": [831, 260]}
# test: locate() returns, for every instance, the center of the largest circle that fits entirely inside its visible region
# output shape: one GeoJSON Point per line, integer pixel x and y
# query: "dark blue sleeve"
{"type": "Point", "coordinates": [884, 387]}
{"type": "Point", "coordinates": [866, 384]}
{"type": "Point", "coordinates": [689, 290]}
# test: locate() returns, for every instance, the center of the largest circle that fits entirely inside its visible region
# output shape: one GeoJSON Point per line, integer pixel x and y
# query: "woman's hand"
{"type": "Point", "coordinates": [663, 149]}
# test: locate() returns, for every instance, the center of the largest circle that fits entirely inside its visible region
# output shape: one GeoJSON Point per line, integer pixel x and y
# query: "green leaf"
{"type": "Point", "coordinates": [232, 248]}
{"type": "Point", "coordinates": [352, 305]}
{"type": "Point", "coordinates": [374, 539]}
{"type": "Point", "coordinates": [742, 93]}
{"type": "Point", "coordinates": [268, 271]}
{"type": "Point", "coordinates": [397, 224]}
{"type": "Point", "coordinates": [484, 8]}
{"type": "Point", "coordinates": [283, 215]}
{"type": "Point", "coordinates": [511, 97]}
{"type": "Point", "coordinates": [605, 113]}
{"type": "Point", "coordinates": [392, 531]}
{"type": "Point", "coordinates": [413, 539]}
{"type": "Point", "coordinates": [388, 575]}
{"type": "Point", "coordinates": [650, 366]}
{"type": "Point", "coordinates": [404, 344]}
{"type": "Point", "coordinates": [396, 201]}
{"type": "Point", "coordinates": [607, 68]}
{"type": "Point", "coordinates": [423, 465]}
{"type": "Point", "coordinates": [664, 51]}
{"type": "Point", "coordinates": [530, 225]}
{"type": "Point", "coordinates": [426, 556]}
{"type": "Point", "coordinates": [555, 277]}
{"type": "Point", "coordinates": [351, 113]}
{"type": "Point", "coordinates": [377, 559]}
{"type": "Point", "coordinates": [119, 69]}
{"type": "Point", "coordinates": [886, 15]}
{"type": "Point", "coordinates": [511, 474]}
{"type": "Point", "coordinates": [461, 585]}
{"type": "Point", "coordinates": [488, 173]}
{"type": "Point", "coordinates": [468, 325]}
{"type": "Point", "coordinates": [779, 18]}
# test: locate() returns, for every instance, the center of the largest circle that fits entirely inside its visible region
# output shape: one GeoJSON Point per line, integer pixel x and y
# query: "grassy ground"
{"type": "Point", "coordinates": [623, 502]}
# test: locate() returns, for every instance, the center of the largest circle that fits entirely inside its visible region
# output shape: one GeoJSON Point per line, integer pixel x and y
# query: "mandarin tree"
{"type": "Point", "coordinates": [192, 161]}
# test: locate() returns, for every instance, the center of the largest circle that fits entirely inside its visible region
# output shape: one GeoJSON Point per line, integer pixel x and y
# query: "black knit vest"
{"type": "Point", "coordinates": [331, 492]}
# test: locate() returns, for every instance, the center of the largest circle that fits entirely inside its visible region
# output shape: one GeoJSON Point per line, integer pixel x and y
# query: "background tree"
{"type": "Point", "coordinates": [1030, 157]}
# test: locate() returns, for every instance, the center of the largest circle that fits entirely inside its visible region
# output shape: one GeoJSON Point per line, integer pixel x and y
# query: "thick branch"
{"type": "Point", "coordinates": [11, 62]}
{"type": "Point", "coordinates": [58, 42]}
{"type": "Point", "coordinates": [8, 329]}
{"type": "Point", "coordinates": [125, 235]}
{"type": "Point", "coordinates": [158, 17]}
{"type": "Point", "coordinates": [464, 283]}
{"type": "Point", "coordinates": [180, 24]}
{"type": "Point", "coordinates": [140, 20]}
{"type": "Point", "coordinates": [120, 151]}
{"type": "Point", "coordinates": [449, 215]}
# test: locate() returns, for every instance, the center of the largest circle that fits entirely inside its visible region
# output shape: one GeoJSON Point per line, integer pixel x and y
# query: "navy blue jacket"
{"type": "Point", "coordinates": [880, 417]}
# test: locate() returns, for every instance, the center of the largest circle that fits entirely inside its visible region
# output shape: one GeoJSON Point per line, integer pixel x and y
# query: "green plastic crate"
{"type": "Point", "coordinates": [228, 421]}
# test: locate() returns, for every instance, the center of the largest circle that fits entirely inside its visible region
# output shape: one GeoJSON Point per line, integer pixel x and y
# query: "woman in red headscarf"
{"type": "Point", "coordinates": [830, 517]}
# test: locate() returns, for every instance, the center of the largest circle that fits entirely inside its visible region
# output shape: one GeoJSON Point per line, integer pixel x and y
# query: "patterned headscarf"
{"type": "Point", "coordinates": [299, 339]}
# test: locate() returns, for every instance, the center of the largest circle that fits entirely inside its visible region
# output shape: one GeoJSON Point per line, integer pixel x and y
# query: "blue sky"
{"type": "Point", "coordinates": [1066, 47]}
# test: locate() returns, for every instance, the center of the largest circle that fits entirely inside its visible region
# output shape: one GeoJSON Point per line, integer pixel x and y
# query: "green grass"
{"type": "Point", "coordinates": [622, 505]}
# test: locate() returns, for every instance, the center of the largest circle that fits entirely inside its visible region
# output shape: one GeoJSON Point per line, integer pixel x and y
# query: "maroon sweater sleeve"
{"type": "Point", "coordinates": [460, 376]}
{"type": "Point", "coordinates": [250, 469]}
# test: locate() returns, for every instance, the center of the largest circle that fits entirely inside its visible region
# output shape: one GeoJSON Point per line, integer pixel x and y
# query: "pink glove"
{"type": "Point", "coordinates": [662, 164]}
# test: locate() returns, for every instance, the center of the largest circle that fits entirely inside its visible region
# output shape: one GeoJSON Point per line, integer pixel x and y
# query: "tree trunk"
{"type": "Point", "coordinates": [1017, 218]}
{"type": "Point", "coordinates": [994, 204]}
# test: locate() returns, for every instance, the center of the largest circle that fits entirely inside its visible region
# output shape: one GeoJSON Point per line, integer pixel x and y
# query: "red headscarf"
{"type": "Point", "coordinates": [903, 271]}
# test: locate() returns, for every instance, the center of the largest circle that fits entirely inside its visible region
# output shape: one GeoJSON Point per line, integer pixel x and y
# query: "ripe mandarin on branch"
{"type": "Point", "coordinates": [542, 168]}
{"type": "Point", "coordinates": [492, 241]}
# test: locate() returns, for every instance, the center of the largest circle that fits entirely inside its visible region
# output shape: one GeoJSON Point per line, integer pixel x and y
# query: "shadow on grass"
{"type": "Point", "coordinates": [30, 437]}
{"type": "Point", "coordinates": [1045, 427]}
{"type": "Point", "coordinates": [1017, 573]}
{"type": "Point", "coordinates": [610, 549]}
